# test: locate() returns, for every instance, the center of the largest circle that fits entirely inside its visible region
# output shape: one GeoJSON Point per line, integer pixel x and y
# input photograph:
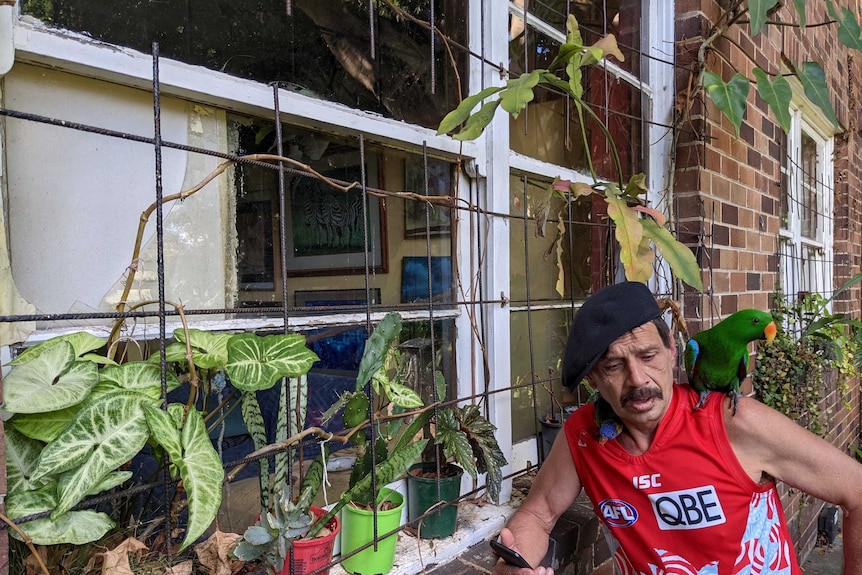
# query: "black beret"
{"type": "Point", "coordinates": [607, 315]}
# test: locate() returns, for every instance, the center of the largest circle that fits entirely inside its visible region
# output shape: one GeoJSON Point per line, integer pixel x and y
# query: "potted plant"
{"type": "Point", "coordinates": [463, 441]}
{"type": "Point", "coordinates": [387, 448]}
{"type": "Point", "coordinates": [280, 537]}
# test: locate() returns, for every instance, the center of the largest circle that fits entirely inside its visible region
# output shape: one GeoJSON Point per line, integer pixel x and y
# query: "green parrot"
{"type": "Point", "coordinates": [717, 358]}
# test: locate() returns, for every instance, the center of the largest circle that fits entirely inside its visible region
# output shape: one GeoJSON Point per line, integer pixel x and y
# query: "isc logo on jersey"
{"type": "Point", "coordinates": [618, 513]}
{"type": "Point", "coordinates": [694, 508]}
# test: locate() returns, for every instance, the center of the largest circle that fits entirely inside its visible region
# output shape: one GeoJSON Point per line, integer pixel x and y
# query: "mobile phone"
{"type": "Point", "coordinates": [510, 556]}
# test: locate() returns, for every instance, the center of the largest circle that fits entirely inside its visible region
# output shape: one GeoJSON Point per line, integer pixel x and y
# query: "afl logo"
{"type": "Point", "coordinates": [618, 513]}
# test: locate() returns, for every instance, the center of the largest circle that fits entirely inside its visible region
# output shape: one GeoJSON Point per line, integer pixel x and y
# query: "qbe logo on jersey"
{"type": "Point", "coordinates": [687, 509]}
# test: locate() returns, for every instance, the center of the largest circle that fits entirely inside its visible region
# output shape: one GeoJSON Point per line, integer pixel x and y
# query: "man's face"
{"type": "Point", "coordinates": [636, 376]}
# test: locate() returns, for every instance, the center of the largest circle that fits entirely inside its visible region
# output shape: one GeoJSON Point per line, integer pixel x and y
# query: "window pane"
{"type": "Point", "coordinates": [551, 259]}
{"type": "Point", "coordinates": [549, 330]}
{"type": "Point", "coordinates": [808, 181]}
{"type": "Point", "coordinates": [323, 49]}
{"type": "Point", "coordinates": [549, 128]}
{"type": "Point", "coordinates": [326, 228]}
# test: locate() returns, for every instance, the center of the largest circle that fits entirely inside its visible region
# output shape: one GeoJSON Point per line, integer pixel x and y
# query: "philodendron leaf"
{"type": "Point", "coordinates": [256, 363]}
{"type": "Point", "coordinates": [848, 27]}
{"type": "Point", "coordinates": [376, 347]}
{"type": "Point", "coordinates": [629, 232]}
{"type": "Point", "coordinates": [814, 84]}
{"type": "Point", "coordinates": [518, 92]}
{"type": "Point", "coordinates": [457, 116]}
{"type": "Point", "coordinates": [81, 342]}
{"type": "Point", "coordinates": [104, 435]}
{"type": "Point", "coordinates": [454, 441]}
{"type": "Point", "coordinates": [678, 256]}
{"type": "Point", "coordinates": [800, 11]}
{"type": "Point", "coordinates": [730, 98]}
{"type": "Point", "coordinates": [51, 381]}
{"type": "Point", "coordinates": [140, 376]}
{"type": "Point", "coordinates": [777, 94]}
{"type": "Point", "coordinates": [44, 426]}
{"type": "Point", "coordinates": [757, 11]}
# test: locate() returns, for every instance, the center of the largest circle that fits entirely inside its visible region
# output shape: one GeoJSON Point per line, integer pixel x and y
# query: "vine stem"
{"type": "Point", "coordinates": [27, 541]}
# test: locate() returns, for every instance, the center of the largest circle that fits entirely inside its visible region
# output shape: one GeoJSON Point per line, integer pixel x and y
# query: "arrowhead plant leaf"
{"type": "Point", "coordinates": [105, 434]}
{"type": "Point", "coordinates": [376, 347]}
{"type": "Point", "coordinates": [777, 94]}
{"type": "Point", "coordinates": [210, 349]}
{"type": "Point", "coordinates": [81, 342]}
{"type": "Point", "coordinates": [257, 363]}
{"type": "Point", "coordinates": [50, 381]}
{"type": "Point", "coordinates": [44, 426]}
{"type": "Point", "coordinates": [141, 376]}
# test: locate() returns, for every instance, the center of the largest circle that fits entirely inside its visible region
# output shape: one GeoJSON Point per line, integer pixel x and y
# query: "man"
{"type": "Point", "coordinates": [678, 490]}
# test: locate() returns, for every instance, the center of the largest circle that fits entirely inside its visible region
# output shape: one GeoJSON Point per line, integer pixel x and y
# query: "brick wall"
{"type": "Point", "coordinates": [727, 194]}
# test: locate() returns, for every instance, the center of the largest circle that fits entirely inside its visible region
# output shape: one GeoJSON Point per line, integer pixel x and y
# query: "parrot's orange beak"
{"type": "Point", "coordinates": [770, 331]}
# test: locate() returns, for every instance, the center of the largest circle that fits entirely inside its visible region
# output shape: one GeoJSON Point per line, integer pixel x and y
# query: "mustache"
{"type": "Point", "coordinates": [641, 393]}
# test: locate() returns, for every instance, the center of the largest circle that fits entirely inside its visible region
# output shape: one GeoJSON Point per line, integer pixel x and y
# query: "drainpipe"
{"type": "Point", "coordinates": [7, 46]}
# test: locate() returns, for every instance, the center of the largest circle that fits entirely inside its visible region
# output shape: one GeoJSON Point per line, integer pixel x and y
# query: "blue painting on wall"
{"type": "Point", "coordinates": [338, 347]}
{"type": "Point", "coordinates": [414, 279]}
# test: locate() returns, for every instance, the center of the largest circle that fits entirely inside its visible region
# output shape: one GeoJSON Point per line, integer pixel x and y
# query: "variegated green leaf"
{"type": "Point", "coordinates": [111, 480]}
{"type": "Point", "coordinates": [678, 256]}
{"type": "Point", "coordinates": [73, 528]}
{"type": "Point", "coordinates": [848, 26]}
{"type": "Point", "coordinates": [386, 472]}
{"type": "Point", "coordinates": [104, 435]}
{"type": "Point", "coordinates": [256, 363]}
{"type": "Point", "coordinates": [403, 396]}
{"type": "Point", "coordinates": [757, 12]}
{"type": "Point", "coordinates": [814, 85]}
{"type": "Point", "coordinates": [210, 349]}
{"type": "Point", "coordinates": [45, 426]}
{"type": "Point", "coordinates": [257, 430]}
{"type": "Point", "coordinates": [49, 382]}
{"type": "Point", "coordinates": [457, 116]}
{"type": "Point", "coordinates": [489, 457]}
{"type": "Point", "coordinates": [174, 353]}
{"type": "Point", "coordinates": [777, 94]}
{"type": "Point", "coordinates": [454, 441]}
{"type": "Point", "coordinates": [98, 359]}
{"type": "Point", "coordinates": [81, 342]}
{"type": "Point", "coordinates": [24, 503]}
{"type": "Point", "coordinates": [202, 474]}
{"type": "Point", "coordinates": [164, 430]}
{"type": "Point", "coordinates": [22, 455]}
{"type": "Point", "coordinates": [140, 376]}
{"type": "Point", "coordinates": [377, 346]}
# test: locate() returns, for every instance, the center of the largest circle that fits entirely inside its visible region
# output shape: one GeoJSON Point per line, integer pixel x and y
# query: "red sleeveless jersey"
{"type": "Point", "coordinates": [686, 506]}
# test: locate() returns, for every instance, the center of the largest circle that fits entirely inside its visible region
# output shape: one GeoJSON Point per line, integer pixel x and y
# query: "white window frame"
{"type": "Point", "coordinates": [799, 271]}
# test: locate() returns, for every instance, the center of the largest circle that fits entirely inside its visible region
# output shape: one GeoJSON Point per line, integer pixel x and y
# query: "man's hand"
{"type": "Point", "coordinates": [503, 568]}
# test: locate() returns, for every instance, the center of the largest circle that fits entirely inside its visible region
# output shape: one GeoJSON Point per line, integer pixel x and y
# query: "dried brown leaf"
{"type": "Point", "coordinates": [214, 553]}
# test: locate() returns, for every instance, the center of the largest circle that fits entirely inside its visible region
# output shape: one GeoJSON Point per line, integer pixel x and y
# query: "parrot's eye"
{"type": "Point", "coordinates": [756, 320]}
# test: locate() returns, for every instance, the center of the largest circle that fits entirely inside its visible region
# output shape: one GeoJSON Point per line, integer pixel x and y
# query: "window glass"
{"type": "Point", "coordinates": [322, 49]}
{"type": "Point", "coordinates": [808, 188]}
{"type": "Point", "coordinates": [550, 129]}
{"type": "Point", "coordinates": [333, 235]}
{"type": "Point", "coordinates": [539, 251]}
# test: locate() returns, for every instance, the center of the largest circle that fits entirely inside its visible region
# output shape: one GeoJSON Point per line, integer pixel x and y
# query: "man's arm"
{"type": "Point", "coordinates": [766, 441]}
{"type": "Point", "coordinates": [554, 489]}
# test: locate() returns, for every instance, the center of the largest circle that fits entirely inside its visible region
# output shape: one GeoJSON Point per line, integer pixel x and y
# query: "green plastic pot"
{"type": "Point", "coordinates": [357, 529]}
{"type": "Point", "coordinates": [422, 495]}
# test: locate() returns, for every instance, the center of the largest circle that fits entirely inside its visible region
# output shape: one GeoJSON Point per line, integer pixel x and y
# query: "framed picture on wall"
{"type": "Point", "coordinates": [326, 227]}
{"type": "Point", "coordinates": [439, 180]}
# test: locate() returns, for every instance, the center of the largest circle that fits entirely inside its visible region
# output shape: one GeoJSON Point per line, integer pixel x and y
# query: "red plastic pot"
{"type": "Point", "coordinates": [310, 555]}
